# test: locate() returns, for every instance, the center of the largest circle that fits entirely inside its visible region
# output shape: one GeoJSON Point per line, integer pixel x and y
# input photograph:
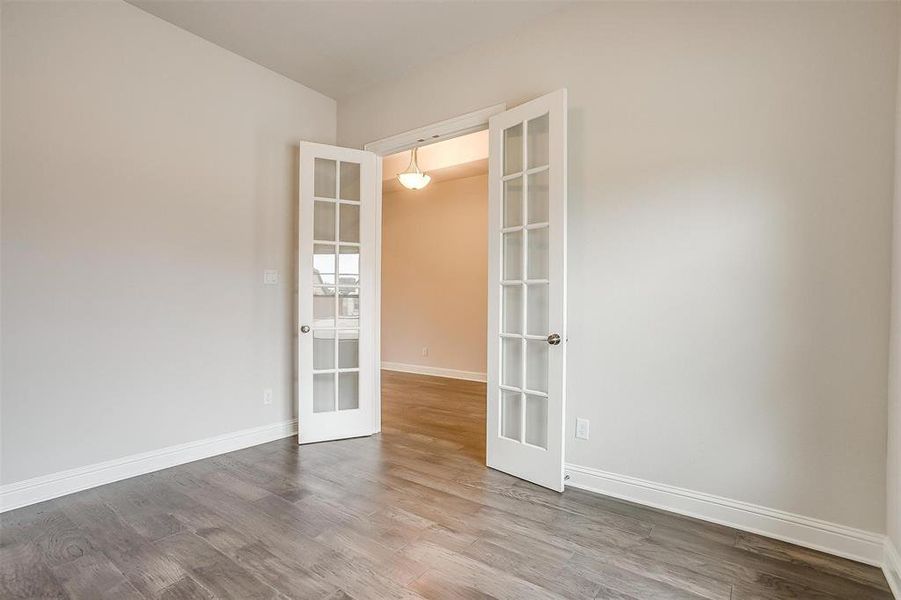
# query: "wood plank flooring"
{"type": "Point", "coordinates": [409, 513]}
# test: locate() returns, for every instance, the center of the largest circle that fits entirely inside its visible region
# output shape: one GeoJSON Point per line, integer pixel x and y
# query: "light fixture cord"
{"type": "Point", "coordinates": [413, 167]}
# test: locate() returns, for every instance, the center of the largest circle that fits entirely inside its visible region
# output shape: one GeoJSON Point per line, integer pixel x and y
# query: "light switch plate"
{"type": "Point", "coordinates": [270, 277]}
{"type": "Point", "coordinates": [582, 429]}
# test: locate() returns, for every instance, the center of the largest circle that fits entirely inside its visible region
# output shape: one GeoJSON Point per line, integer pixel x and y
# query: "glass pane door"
{"type": "Point", "coordinates": [527, 295]}
{"type": "Point", "coordinates": [523, 392]}
{"type": "Point", "coordinates": [336, 290]}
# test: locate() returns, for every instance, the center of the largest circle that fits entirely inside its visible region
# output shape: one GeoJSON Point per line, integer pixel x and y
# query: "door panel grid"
{"type": "Point", "coordinates": [336, 260]}
{"type": "Point", "coordinates": [524, 281]}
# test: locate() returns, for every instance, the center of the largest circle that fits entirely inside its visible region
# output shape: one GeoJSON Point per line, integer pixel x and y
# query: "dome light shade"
{"type": "Point", "coordinates": [413, 178]}
{"type": "Point", "coordinates": [414, 181]}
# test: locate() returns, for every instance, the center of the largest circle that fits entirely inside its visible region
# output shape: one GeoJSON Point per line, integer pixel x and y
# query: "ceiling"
{"type": "Point", "coordinates": [340, 48]}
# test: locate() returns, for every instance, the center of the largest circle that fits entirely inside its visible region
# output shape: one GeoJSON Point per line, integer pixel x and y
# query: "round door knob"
{"type": "Point", "coordinates": [553, 339]}
{"type": "Point", "coordinates": [305, 329]}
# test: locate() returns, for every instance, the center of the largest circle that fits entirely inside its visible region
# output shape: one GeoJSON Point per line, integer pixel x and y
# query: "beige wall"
{"type": "Point", "coordinates": [149, 178]}
{"type": "Point", "coordinates": [434, 275]}
{"type": "Point", "coordinates": [730, 204]}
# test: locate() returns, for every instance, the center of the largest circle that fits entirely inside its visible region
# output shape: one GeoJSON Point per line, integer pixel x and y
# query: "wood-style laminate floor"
{"type": "Point", "coordinates": [410, 513]}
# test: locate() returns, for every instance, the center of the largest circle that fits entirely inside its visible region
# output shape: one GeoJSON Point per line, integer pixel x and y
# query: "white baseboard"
{"type": "Point", "coordinates": [435, 371]}
{"type": "Point", "coordinates": [47, 487]}
{"type": "Point", "coordinates": [864, 546]}
{"type": "Point", "coordinates": [892, 567]}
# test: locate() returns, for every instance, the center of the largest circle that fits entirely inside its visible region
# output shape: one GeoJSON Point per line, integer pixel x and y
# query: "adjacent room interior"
{"type": "Point", "coordinates": [434, 310]}
{"type": "Point", "coordinates": [499, 299]}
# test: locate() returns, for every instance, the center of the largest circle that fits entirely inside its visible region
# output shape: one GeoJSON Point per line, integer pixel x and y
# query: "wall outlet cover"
{"type": "Point", "coordinates": [267, 396]}
{"type": "Point", "coordinates": [270, 277]}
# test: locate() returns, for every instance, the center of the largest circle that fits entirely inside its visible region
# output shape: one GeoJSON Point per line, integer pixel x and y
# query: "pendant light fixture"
{"type": "Point", "coordinates": [413, 178]}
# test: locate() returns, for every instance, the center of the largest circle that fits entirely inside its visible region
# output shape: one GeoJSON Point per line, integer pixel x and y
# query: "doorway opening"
{"type": "Point", "coordinates": [434, 286]}
{"type": "Point", "coordinates": [340, 195]}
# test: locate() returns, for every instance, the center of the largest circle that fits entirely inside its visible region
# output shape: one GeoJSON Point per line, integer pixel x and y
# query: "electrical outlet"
{"type": "Point", "coordinates": [267, 396]}
{"type": "Point", "coordinates": [270, 277]}
{"type": "Point", "coordinates": [582, 429]}
{"type": "Point", "coordinates": [425, 350]}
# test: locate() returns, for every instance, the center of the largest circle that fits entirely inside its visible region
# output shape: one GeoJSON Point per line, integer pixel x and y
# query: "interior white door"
{"type": "Point", "coordinates": [336, 293]}
{"type": "Point", "coordinates": [527, 290]}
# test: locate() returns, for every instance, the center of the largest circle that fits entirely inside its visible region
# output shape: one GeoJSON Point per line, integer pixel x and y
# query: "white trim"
{"type": "Point", "coordinates": [892, 567]}
{"type": "Point", "coordinates": [436, 132]}
{"type": "Point", "coordinates": [435, 371]}
{"type": "Point", "coordinates": [377, 308]}
{"type": "Point", "coordinates": [47, 487]}
{"type": "Point", "coordinates": [840, 540]}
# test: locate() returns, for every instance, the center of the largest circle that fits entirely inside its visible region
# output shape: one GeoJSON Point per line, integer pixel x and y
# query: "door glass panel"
{"type": "Point", "coordinates": [511, 362]}
{"type": "Point", "coordinates": [349, 307]}
{"type": "Point", "coordinates": [537, 144]}
{"type": "Point", "coordinates": [538, 197]}
{"type": "Point", "coordinates": [511, 415]}
{"type": "Point", "coordinates": [323, 350]}
{"type": "Point", "coordinates": [513, 149]}
{"type": "Point", "coordinates": [536, 421]}
{"type": "Point", "coordinates": [513, 255]}
{"type": "Point", "coordinates": [348, 350]}
{"type": "Point", "coordinates": [349, 265]}
{"type": "Point", "coordinates": [538, 253]}
{"type": "Point", "coordinates": [350, 181]}
{"type": "Point", "coordinates": [513, 202]}
{"type": "Point", "coordinates": [324, 179]}
{"type": "Point", "coordinates": [536, 365]}
{"type": "Point", "coordinates": [323, 307]}
{"type": "Point", "coordinates": [537, 321]}
{"type": "Point", "coordinates": [512, 308]}
{"type": "Point", "coordinates": [324, 221]}
{"type": "Point", "coordinates": [350, 223]}
{"type": "Point", "coordinates": [323, 264]}
{"type": "Point", "coordinates": [323, 392]}
{"type": "Point", "coordinates": [348, 391]}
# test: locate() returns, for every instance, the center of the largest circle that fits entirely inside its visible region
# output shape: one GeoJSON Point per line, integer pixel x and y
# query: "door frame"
{"type": "Point", "coordinates": [421, 136]}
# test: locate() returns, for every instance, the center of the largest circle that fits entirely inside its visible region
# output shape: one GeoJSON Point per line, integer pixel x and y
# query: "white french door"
{"type": "Point", "coordinates": [527, 290]}
{"type": "Point", "coordinates": [336, 293]}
